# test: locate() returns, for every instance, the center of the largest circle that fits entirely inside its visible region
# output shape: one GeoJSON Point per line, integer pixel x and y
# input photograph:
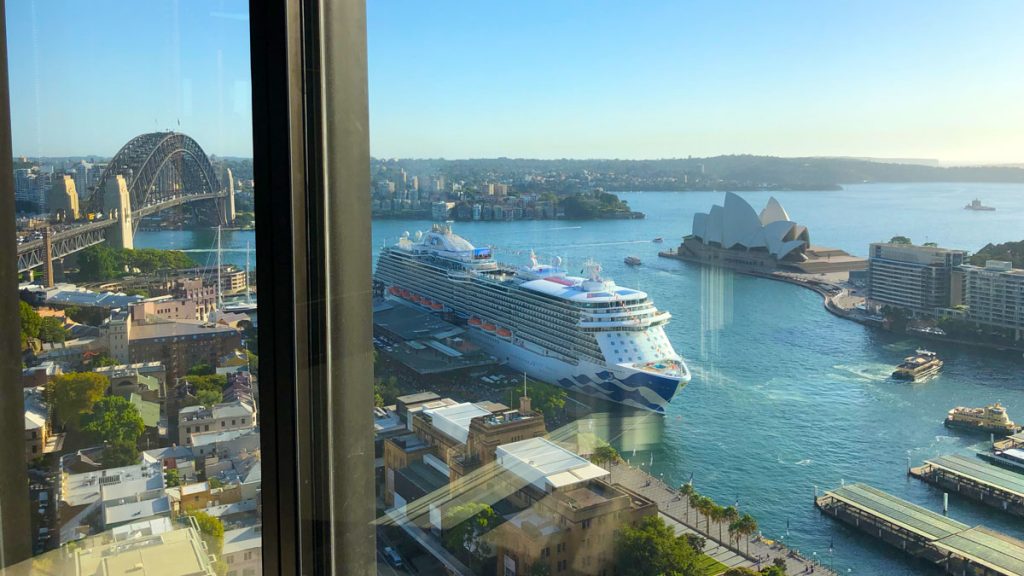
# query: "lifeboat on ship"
{"type": "Point", "coordinates": [417, 298]}
{"type": "Point", "coordinates": [504, 332]}
{"type": "Point", "coordinates": [474, 321]}
{"type": "Point", "coordinates": [392, 290]}
{"type": "Point", "coordinates": [435, 306]}
{"type": "Point", "coordinates": [488, 327]}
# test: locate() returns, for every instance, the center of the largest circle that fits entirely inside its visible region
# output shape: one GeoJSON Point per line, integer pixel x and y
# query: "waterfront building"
{"type": "Point", "coordinates": [993, 294]}
{"type": "Point", "coordinates": [733, 235]}
{"type": "Point", "coordinates": [916, 278]}
{"type": "Point", "coordinates": [568, 514]}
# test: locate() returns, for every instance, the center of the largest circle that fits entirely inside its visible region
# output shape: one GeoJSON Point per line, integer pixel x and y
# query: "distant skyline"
{"type": "Point", "coordinates": [541, 79]}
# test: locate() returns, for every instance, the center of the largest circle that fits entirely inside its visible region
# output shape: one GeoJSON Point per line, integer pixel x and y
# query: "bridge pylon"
{"type": "Point", "coordinates": [48, 250]}
{"type": "Point", "coordinates": [116, 196]}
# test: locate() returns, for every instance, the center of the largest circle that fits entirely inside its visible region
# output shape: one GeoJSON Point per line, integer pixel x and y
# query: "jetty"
{"type": "Point", "coordinates": [954, 546]}
{"type": "Point", "coordinates": [977, 480]}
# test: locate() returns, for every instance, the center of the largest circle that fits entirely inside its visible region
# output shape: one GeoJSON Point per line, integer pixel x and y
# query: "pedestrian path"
{"type": "Point", "coordinates": [675, 510]}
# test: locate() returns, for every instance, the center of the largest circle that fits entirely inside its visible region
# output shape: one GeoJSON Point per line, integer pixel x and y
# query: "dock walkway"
{"type": "Point", "coordinates": [675, 509]}
{"type": "Point", "coordinates": [977, 480]}
{"type": "Point", "coordinates": [955, 546]}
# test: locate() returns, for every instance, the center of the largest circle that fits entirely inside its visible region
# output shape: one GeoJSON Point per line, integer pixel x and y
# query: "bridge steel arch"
{"type": "Point", "coordinates": [141, 162]}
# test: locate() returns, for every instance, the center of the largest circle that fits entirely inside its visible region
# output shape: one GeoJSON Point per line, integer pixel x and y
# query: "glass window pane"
{"type": "Point", "coordinates": [702, 281]}
{"type": "Point", "coordinates": [133, 179]}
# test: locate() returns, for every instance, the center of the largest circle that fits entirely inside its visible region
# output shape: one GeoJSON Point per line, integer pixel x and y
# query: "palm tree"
{"type": "Point", "coordinates": [694, 502]}
{"type": "Point", "coordinates": [718, 514]}
{"type": "Point", "coordinates": [747, 526]}
{"type": "Point", "coordinates": [706, 506]}
{"type": "Point", "coordinates": [729, 514]}
{"type": "Point", "coordinates": [686, 491]}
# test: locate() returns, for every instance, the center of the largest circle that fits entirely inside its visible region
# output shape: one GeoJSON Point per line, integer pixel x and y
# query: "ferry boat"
{"type": "Point", "coordinates": [977, 205]}
{"type": "Point", "coordinates": [991, 418]}
{"type": "Point", "coordinates": [632, 261]}
{"type": "Point", "coordinates": [584, 333]}
{"type": "Point", "coordinates": [922, 365]}
{"type": "Point", "coordinates": [659, 240]}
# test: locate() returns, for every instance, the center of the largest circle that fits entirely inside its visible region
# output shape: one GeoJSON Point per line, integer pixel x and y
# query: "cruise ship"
{"type": "Point", "coordinates": [585, 334]}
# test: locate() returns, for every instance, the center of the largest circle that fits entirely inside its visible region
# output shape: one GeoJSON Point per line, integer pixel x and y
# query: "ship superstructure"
{"type": "Point", "coordinates": [584, 333]}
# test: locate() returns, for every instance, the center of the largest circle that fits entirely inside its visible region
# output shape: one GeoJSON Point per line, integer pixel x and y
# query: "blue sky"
{"type": "Point", "coordinates": [562, 78]}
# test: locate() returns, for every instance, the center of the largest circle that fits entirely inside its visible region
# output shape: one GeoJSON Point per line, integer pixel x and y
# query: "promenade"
{"type": "Point", "coordinates": [675, 510]}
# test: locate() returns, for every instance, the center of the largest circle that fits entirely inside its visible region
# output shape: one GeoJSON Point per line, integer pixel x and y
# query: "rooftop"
{"type": "Point", "coordinates": [167, 554]}
{"type": "Point", "coordinates": [546, 465]}
{"type": "Point", "coordinates": [85, 488]}
{"type": "Point", "coordinates": [135, 511]}
{"type": "Point", "coordinates": [454, 420]}
{"type": "Point", "coordinates": [921, 521]}
{"type": "Point", "coordinates": [990, 475]}
{"type": "Point", "coordinates": [998, 552]}
{"type": "Point", "coordinates": [177, 329]}
{"type": "Point", "coordinates": [243, 539]}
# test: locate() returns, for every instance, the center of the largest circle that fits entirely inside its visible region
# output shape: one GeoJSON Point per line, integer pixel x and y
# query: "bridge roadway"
{"type": "Point", "coordinates": [75, 237]}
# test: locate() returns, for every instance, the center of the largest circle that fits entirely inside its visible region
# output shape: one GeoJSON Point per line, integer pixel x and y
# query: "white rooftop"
{"type": "Point", "coordinates": [454, 420]}
{"type": "Point", "coordinates": [572, 288]}
{"type": "Point", "coordinates": [242, 539]}
{"type": "Point", "coordinates": [79, 489]}
{"type": "Point", "coordinates": [136, 511]}
{"type": "Point", "coordinates": [546, 465]}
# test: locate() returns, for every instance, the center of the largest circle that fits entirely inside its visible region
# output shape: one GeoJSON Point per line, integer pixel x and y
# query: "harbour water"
{"type": "Point", "coordinates": [785, 396]}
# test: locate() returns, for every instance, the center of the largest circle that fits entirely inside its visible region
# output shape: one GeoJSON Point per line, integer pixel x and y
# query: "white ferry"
{"type": "Point", "coordinates": [585, 334]}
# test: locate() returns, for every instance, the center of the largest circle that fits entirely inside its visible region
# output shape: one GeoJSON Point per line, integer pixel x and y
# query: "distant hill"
{"type": "Point", "coordinates": [734, 172]}
{"type": "Point", "coordinates": [1008, 251]}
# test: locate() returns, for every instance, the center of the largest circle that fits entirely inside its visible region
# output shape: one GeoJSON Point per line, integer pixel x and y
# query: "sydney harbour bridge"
{"type": "Point", "coordinates": [151, 173]}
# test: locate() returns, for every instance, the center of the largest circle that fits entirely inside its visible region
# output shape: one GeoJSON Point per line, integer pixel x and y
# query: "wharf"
{"type": "Point", "coordinates": [977, 480]}
{"type": "Point", "coordinates": [1015, 441]}
{"type": "Point", "coordinates": [956, 547]}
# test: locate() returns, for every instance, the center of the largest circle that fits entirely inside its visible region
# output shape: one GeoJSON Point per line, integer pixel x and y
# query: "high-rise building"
{"type": "Point", "coordinates": [994, 295]}
{"type": "Point", "coordinates": [912, 277]}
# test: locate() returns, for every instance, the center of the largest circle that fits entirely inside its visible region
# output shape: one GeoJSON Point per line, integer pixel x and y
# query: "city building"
{"type": "Point", "coordinates": [733, 235]}
{"type": "Point", "coordinates": [217, 418]}
{"type": "Point", "coordinates": [109, 498]}
{"type": "Point", "coordinates": [148, 379]}
{"type": "Point", "coordinates": [916, 278]}
{"type": "Point", "coordinates": [568, 511]}
{"type": "Point", "coordinates": [167, 308]}
{"type": "Point", "coordinates": [993, 294]}
{"type": "Point", "coordinates": [243, 551]}
{"type": "Point", "coordinates": [154, 548]}
{"type": "Point", "coordinates": [179, 345]}
{"type": "Point", "coordinates": [40, 375]}
{"type": "Point", "coordinates": [37, 423]}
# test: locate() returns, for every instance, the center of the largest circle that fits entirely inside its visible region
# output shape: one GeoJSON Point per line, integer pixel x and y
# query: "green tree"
{"type": "Point", "coordinates": [652, 547]}
{"type": "Point", "coordinates": [686, 491]}
{"type": "Point", "coordinates": [97, 263]}
{"type": "Point", "coordinates": [729, 515]}
{"type": "Point", "coordinates": [900, 240]}
{"type": "Point", "coordinates": [30, 322]}
{"type": "Point", "coordinates": [212, 531]}
{"type": "Point", "coordinates": [605, 454]}
{"type": "Point", "coordinates": [209, 397]}
{"type": "Point", "coordinates": [103, 360]}
{"type": "Point", "coordinates": [202, 370]}
{"type": "Point", "coordinates": [465, 525]}
{"type": "Point", "coordinates": [73, 394]}
{"type": "Point", "coordinates": [744, 526]}
{"type": "Point", "coordinates": [52, 330]}
{"type": "Point", "coordinates": [172, 477]}
{"type": "Point", "coordinates": [114, 420]}
{"type": "Point", "coordinates": [740, 571]}
{"type": "Point", "coordinates": [540, 568]}
{"type": "Point", "coordinates": [122, 454]}
{"type": "Point", "coordinates": [216, 482]}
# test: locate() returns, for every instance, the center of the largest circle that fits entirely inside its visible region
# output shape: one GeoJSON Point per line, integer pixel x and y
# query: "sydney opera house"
{"type": "Point", "coordinates": [735, 236]}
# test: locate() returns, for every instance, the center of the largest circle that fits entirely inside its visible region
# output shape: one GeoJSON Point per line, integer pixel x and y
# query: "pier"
{"type": "Point", "coordinates": [977, 480]}
{"type": "Point", "coordinates": [953, 546]}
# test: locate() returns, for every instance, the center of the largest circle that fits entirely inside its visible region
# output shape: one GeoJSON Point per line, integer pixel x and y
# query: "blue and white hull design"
{"type": "Point", "coordinates": [621, 385]}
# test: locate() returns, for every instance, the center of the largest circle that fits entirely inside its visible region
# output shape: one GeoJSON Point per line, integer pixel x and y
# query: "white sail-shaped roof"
{"type": "Point", "coordinates": [735, 225]}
